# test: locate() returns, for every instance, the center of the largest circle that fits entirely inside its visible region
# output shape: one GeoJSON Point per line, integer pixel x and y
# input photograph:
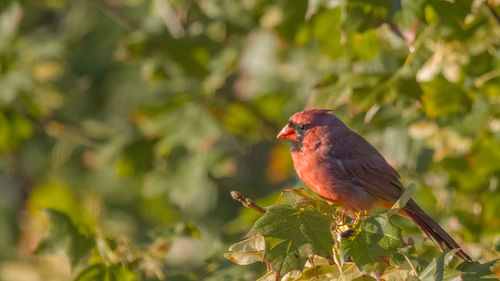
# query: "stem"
{"type": "Point", "coordinates": [411, 265]}
{"type": "Point", "coordinates": [418, 42]}
{"type": "Point", "coordinates": [336, 259]}
{"type": "Point", "coordinates": [396, 30]}
{"type": "Point", "coordinates": [492, 10]}
{"type": "Point", "coordinates": [486, 77]}
{"type": "Point", "coordinates": [247, 202]}
{"type": "Point", "coordinates": [116, 15]}
{"type": "Point", "coordinates": [169, 18]}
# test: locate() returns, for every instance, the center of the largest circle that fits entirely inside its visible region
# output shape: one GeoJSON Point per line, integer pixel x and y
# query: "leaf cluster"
{"type": "Point", "coordinates": [109, 260]}
{"type": "Point", "coordinates": [299, 241]}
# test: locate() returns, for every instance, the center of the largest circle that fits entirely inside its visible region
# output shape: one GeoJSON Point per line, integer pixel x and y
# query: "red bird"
{"type": "Point", "coordinates": [344, 169]}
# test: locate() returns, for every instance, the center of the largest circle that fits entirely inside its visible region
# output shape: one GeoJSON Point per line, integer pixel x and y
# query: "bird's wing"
{"type": "Point", "coordinates": [359, 162]}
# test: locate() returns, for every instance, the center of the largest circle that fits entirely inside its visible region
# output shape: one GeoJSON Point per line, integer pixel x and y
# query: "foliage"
{"type": "Point", "coordinates": [292, 235]}
{"type": "Point", "coordinates": [102, 272]}
{"type": "Point", "coordinates": [377, 237]}
{"type": "Point", "coordinates": [288, 235]}
{"type": "Point", "coordinates": [130, 121]}
{"type": "Point", "coordinates": [64, 236]}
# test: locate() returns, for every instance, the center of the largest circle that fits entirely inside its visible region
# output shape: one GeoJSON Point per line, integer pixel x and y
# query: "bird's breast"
{"type": "Point", "coordinates": [316, 174]}
{"type": "Point", "coordinates": [324, 176]}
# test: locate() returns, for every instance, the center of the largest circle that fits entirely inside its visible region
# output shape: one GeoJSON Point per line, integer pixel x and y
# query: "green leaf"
{"type": "Point", "coordinates": [412, 10]}
{"type": "Point", "coordinates": [365, 46]}
{"type": "Point", "coordinates": [285, 255]}
{"type": "Point", "coordinates": [302, 199]}
{"type": "Point", "coordinates": [364, 278]}
{"type": "Point", "coordinates": [101, 272]}
{"type": "Point", "coordinates": [291, 235]}
{"type": "Point", "coordinates": [64, 236]}
{"type": "Point", "coordinates": [349, 271]}
{"type": "Point", "coordinates": [361, 15]}
{"type": "Point", "coordinates": [451, 13]}
{"type": "Point", "coordinates": [405, 197]}
{"type": "Point", "coordinates": [327, 31]}
{"type": "Point", "coordinates": [439, 269]}
{"type": "Point", "coordinates": [15, 129]}
{"type": "Point", "coordinates": [377, 237]}
{"type": "Point", "coordinates": [233, 273]}
{"type": "Point", "coordinates": [443, 98]}
{"type": "Point", "coordinates": [477, 271]}
{"type": "Point", "coordinates": [293, 17]}
{"type": "Point", "coordinates": [319, 272]}
{"type": "Point", "coordinates": [399, 274]}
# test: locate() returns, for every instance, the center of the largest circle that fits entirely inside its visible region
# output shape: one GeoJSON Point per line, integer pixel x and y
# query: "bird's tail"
{"type": "Point", "coordinates": [433, 230]}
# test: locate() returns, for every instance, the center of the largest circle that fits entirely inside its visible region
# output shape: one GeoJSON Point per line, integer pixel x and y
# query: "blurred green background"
{"type": "Point", "coordinates": [136, 118]}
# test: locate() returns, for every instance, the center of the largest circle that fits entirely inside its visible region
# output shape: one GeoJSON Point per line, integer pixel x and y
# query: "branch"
{"type": "Point", "coordinates": [247, 202]}
{"type": "Point", "coordinates": [116, 15]}
{"type": "Point", "coordinates": [169, 18]}
{"type": "Point", "coordinates": [492, 10]}
{"type": "Point", "coordinates": [395, 29]}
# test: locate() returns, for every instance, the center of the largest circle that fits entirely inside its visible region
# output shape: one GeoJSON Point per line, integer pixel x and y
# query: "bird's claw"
{"type": "Point", "coordinates": [360, 215]}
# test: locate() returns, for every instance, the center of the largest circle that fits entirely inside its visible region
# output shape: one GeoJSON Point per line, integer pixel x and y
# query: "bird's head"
{"type": "Point", "coordinates": [302, 122]}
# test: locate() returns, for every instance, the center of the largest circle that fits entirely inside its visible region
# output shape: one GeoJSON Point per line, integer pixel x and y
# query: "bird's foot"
{"type": "Point", "coordinates": [343, 228]}
{"type": "Point", "coordinates": [359, 216]}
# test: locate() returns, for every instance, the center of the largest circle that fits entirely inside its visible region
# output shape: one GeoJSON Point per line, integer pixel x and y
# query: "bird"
{"type": "Point", "coordinates": [343, 168]}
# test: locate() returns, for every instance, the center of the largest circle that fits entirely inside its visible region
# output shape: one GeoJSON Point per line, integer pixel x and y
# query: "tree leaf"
{"type": "Point", "coordinates": [477, 271]}
{"type": "Point", "coordinates": [247, 251]}
{"type": "Point", "coordinates": [302, 199]}
{"type": "Point", "coordinates": [401, 203]}
{"type": "Point", "coordinates": [326, 29]}
{"type": "Point", "coordinates": [320, 272]}
{"type": "Point", "coordinates": [364, 278]}
{"type": "Point", "coordinates": [64, 236]}
{"type": "Point", "coordinates": [270, 276]}
{"type": "Point", "coordinates": [439, 270]}
{"type": "Point", "coordinates": [377, 237]}
{"type": "Point", "coordinates": [443, 98]}
{"type": "Point", "coordinates": [412, 10]}
{"type": "Point", "coordinates": [330, 272]}
{"type": "Point", "coordinates": [253, 244]}
{"type": "Point", "coordinates": [291, 235]}
{"type": "Point", "coordinates": [101, 272]}
{"type": "Point", "coordinates": [244, 258]}
{"type": "Point", "coordinates": [399, 274]}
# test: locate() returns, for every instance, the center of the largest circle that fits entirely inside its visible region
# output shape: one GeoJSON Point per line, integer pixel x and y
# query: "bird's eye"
{"type": "Point", "coordinates": [302, 127]}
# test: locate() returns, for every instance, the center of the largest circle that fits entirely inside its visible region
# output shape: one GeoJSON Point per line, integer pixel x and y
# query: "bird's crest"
{"type": "Point", "coordinates": [308, 115]}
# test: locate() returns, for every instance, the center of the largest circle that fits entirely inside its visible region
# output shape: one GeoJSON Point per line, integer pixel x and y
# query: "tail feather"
{"type": "Point", "coordinates": [433, 230]}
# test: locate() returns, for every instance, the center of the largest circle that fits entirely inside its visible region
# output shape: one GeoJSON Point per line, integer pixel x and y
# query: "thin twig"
{"type": "Point", "coordinates": [116, 15]}
{"type": "Point", "coordinates": [418, 42]}
{"type": "Point", "coordinates": [396, 30]}
{"type": "Point", "coordinates": [486, 77]}
{"type": "Point", "coordinates": [411, 265]}
{"type": "Point", "coordinates": [492, 10]}
{"type": "Point", "coordinates": [247, 202]}
{"type": "Point", "coordinates": [169, 18]}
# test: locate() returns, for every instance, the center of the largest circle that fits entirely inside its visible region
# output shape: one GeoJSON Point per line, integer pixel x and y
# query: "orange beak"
{"type": "Point", "coordinates": [287, 133]}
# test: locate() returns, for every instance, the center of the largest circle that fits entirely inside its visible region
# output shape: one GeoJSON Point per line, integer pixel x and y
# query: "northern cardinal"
{"type": "Point", "coordinates": [343, 168]}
